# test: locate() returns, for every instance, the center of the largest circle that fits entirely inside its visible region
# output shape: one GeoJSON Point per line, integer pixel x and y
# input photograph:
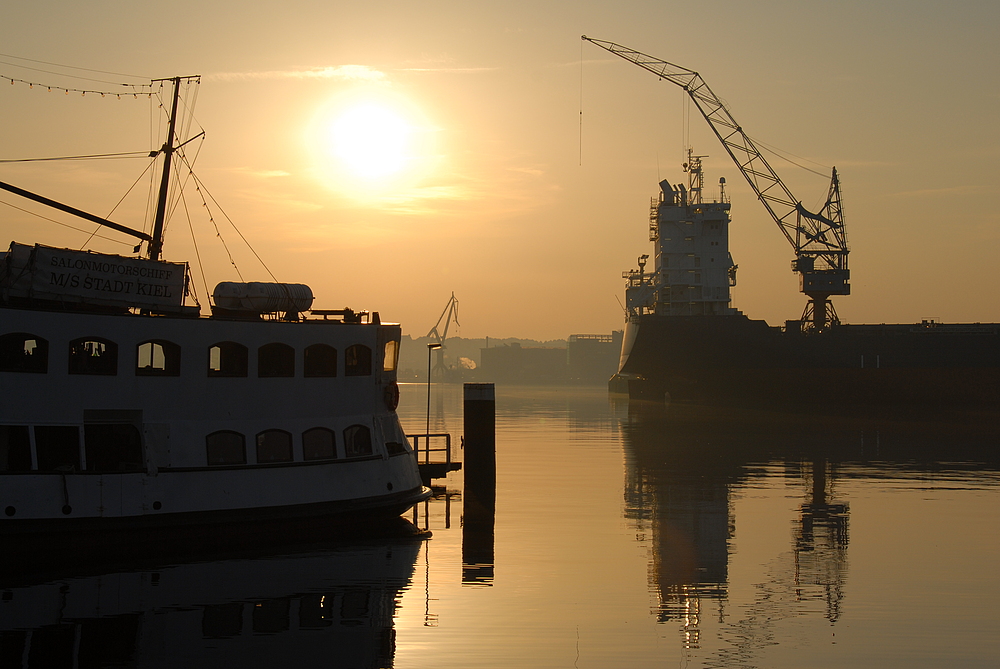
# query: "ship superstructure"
{"type": "Point", "coordinates": [692, 267]}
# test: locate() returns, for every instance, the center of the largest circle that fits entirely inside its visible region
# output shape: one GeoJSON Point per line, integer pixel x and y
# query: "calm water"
{"type": "Point", "coordinates": [624, 536]}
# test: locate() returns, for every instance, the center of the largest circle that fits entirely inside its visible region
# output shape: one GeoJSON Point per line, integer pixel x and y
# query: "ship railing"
{"type": "Point", "coordinates": [426, 444]}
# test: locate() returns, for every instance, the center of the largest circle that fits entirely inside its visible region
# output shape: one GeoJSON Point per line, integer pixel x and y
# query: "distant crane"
{"type": "Point", "coordinates": [449, 314]}
{"type": "Point", "coordinates": [819, 240]}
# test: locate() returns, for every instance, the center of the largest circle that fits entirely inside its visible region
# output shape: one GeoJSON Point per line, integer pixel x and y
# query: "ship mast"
{"type": "Point", "coordinates": [156, 244]}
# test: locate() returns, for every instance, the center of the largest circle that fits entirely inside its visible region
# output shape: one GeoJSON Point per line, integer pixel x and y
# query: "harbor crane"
{"type": "Point", "coordinates": [449, 314]}
{"type": "Point", "coordinates": [819, 239]}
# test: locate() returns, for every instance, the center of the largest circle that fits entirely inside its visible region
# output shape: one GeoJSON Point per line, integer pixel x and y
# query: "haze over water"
{"type": "Point", "coordinates": [624, 536]}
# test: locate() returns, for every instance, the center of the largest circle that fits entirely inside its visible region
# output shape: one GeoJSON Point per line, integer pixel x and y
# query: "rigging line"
{"type": "Point", "coordinates": [581, 102]}
{"type": "Point", "coordinates": [65, 225]}
{"type": "Point", "coordinates": [197, 251]}
{"type": "Point", "coordinates": [118, 204]}
{"type": "Point", "coordinates": [96, 156]}
{"type": "Point", "coordinates": [775, 151]}
{"type": "Point", "coordinates": [245, 241]}
{"type": "Point", "coordinates": [72, 76]}
{"type": "Point", "coordinates": [218, 233]}
{"type": "Point", "coordinates": [72, 67]}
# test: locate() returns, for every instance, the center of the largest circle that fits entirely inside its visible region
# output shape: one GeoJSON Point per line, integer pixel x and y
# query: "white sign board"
{"type": "Point", "coordinates": [48, 273]}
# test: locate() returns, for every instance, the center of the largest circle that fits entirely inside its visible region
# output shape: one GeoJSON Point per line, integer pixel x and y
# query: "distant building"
{"type": "Point", "coordinates": [587, 359]}
{"type": "Point", "coordinates": [593, 358]}
{"type": "Point", "coordinates": [520, 364]}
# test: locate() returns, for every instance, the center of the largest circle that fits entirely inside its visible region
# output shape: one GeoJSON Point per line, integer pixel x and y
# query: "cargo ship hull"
{"type": "Point", "coordinates": [736, 359]}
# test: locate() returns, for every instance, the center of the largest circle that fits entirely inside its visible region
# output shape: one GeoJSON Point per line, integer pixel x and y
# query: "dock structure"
{"type": "Point", "coordinates": [434, 462]}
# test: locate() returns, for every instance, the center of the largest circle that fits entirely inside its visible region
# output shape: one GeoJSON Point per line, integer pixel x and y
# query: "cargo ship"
{"type": "Point", "coordinates": [684, 341]}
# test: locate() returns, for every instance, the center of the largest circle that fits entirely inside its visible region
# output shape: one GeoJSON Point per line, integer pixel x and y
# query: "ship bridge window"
{"type": "Point", "coordinates": [23, 352]}
{"type": "Point", "coordinates": [274, 360]}
{"type": "Point", "coordinates": [319, 443]}
{"type": "Point", "coordinates": [391, 356]}
{"type": "Point", "coordinates": [15, 448]}
{"type": "Point", "coordinates": [320, 360]}
{"type": "Point", "coordinates": [274, 446]}
{"type": "Point", "coordinates": [357, 441]}
{"type": "Point", "coordinates": [112, 447]}
{"type": "Point", "coordinates": [358, 360]}
{"type": "Point", "coordinates": [57, 448]}
{"type": "Point", "coordinates": [227, 358]}
{"type": "Point", "coordinates": [226, 448]}
{"type": "Point", "coordinates": [158, 358]}
{"type": "Point", "coordinates": [93, 355]}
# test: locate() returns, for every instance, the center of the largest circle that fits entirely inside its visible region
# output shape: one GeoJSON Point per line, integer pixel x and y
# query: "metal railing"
{"type": "Point", "coordinates": [424, 454]}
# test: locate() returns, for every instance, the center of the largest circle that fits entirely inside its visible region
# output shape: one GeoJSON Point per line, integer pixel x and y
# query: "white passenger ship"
{"type": "Point", "coordinates": [123, 407]}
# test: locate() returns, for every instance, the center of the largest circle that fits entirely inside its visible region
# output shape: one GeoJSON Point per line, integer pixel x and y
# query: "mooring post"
{"type": "Point", "coordinates": [480, 469]}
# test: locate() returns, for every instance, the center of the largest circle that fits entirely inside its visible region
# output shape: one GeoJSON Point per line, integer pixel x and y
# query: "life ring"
{"type": "Point", "coordinates": [391, 396]}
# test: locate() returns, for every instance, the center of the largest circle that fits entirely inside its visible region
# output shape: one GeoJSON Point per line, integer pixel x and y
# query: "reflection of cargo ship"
{"type": "Point", "coordinates": [682, 337]}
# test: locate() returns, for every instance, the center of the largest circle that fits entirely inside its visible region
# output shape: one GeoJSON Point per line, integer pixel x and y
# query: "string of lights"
{"type": "Point", "coordinates": [145, 90]}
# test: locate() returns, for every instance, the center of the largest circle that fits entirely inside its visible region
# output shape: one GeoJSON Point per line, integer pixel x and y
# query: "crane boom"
{"type": "Point", "coordinates": [819, 239]}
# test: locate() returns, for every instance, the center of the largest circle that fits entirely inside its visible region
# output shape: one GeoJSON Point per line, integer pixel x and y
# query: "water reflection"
{"type": "Point", "coordinates": [684, 465]}
{"type": "Point", "coordinates": [328, 606]}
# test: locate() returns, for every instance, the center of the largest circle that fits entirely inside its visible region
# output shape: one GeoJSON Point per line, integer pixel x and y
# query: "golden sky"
{"type": "Point", "coordinates": [502, 192]}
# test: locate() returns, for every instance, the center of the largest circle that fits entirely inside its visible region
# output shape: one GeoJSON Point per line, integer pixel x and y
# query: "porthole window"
{"type": "Point", "coordinates": [227, 358]}
{"type": "Point", "coordinates": [23, 352]}
{"type": "Point", "coordinates": [274, 446]}
{"type": "Point", "coordinates": [158, 358]}
{"type": "Point", "coordinates": [319, 443]}
{"type": "Point", "coordinates": [358, 361]}
{"type": "Point", "coordinates": [226, 448]}
{"type": "Point", "coordinates": [275, 360]}
{"type": "Point", "coordinates": [357, 441]}
{"type": "Point", "coordinates": [320, 360]}
{"type": "Point", "coordinates": [93, 356]}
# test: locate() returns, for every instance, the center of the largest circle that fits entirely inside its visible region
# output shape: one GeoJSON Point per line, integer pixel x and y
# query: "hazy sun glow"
{"type": "Point", "coordinates": [371, 141]}
{"type": "Point", "coordinates": [370, 144]}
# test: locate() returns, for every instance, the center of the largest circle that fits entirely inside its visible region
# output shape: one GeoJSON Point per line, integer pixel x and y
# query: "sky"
{"type": "Point", "coordinates": [509, 162]}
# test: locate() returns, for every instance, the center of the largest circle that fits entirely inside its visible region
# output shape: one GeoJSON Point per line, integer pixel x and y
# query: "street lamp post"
{"type": "Point", "coordinates": [427, 433]}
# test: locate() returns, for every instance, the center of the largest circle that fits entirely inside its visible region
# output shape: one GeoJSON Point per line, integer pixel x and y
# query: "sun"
{"type": "Point", "coordinates": [370, 140]}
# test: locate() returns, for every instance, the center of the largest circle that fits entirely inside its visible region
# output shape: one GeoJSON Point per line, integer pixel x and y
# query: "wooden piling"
{"type": "Point", "coordinates": [480, 467]}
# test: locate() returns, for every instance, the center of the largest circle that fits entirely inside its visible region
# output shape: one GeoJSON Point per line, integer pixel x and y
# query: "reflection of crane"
{"type": "Point", "coordinates": [819, 240]}
{"type": "Point", "coordinates": [449, 314]}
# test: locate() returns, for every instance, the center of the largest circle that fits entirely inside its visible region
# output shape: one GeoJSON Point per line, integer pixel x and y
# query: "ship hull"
{"type": "Point", "coordinates": [734, 359]}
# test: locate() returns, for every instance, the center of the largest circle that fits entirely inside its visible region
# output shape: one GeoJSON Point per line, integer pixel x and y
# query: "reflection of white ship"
{"type": "Point", "coordinates": [124, 408]}
{"type": "Point", "coordinates": [325, 608]}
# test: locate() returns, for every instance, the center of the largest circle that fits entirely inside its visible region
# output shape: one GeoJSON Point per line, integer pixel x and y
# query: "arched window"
{"type": "Point", "coordinates": [226, 448]}
{"type": "Point", "coordinates": [227, 358]}
{"type": "Point", "coordinates": [357, 441]}
{"type": "Point", "coordinates": [274, 446]}
{"type": "Point", "coordinates": [23, 352]}
{"type": "Point", "coordinates": [319, 443]}
{"type": "Point", "coordinates": [358, 360]}
{"type": "Point", "coordinates": [93, 355]}
{"type": "Point", "coordinates": [157, 357]}
{"type": "Point", "coordinates": [320, 360]}
{"type": "Point", "coordinates": [275, 360]}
